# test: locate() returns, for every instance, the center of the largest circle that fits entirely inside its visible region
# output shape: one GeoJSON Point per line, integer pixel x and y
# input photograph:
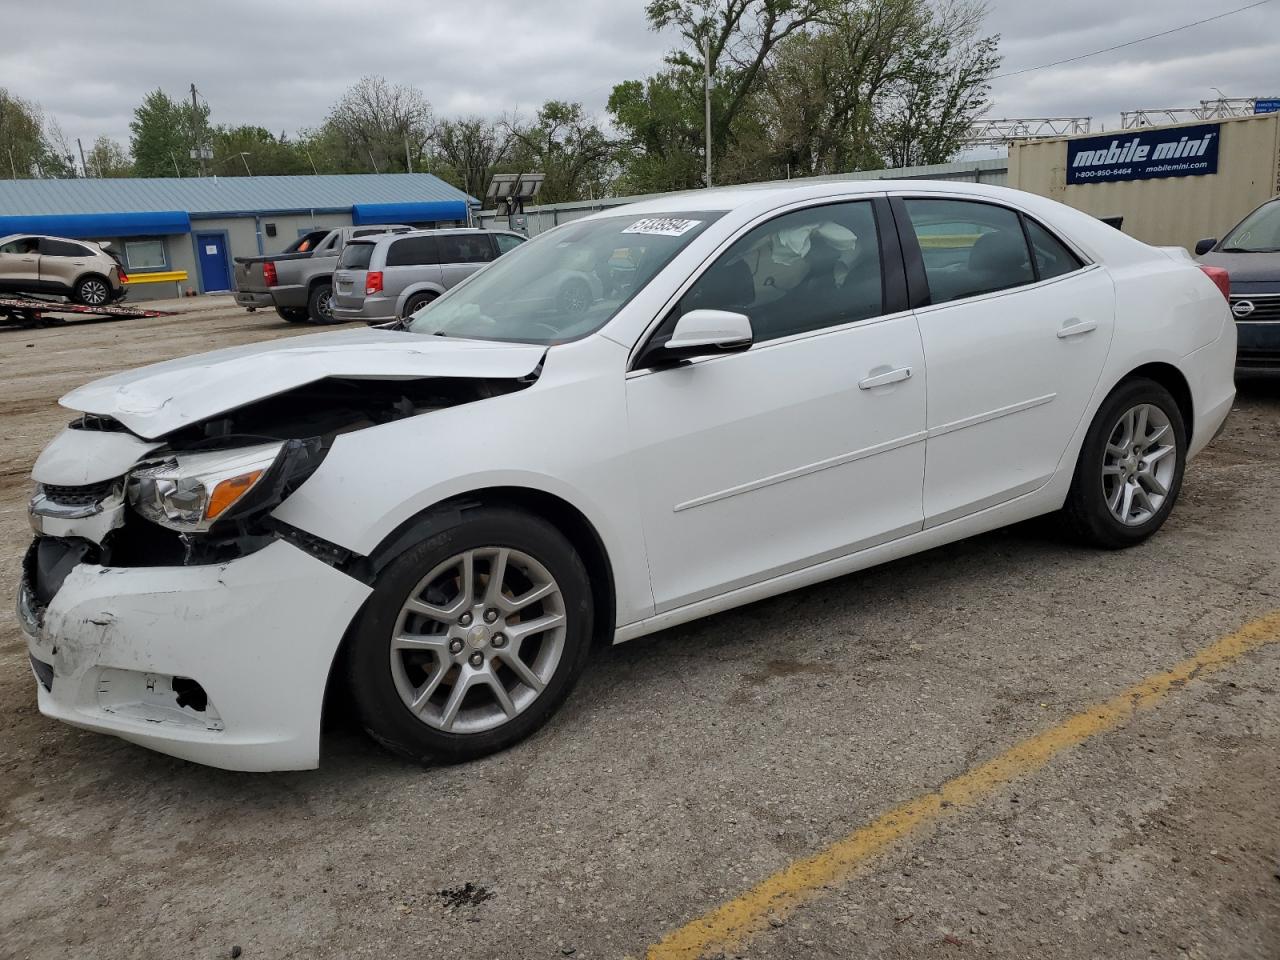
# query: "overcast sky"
{"type": "Point", "coordinates": [281, 65]}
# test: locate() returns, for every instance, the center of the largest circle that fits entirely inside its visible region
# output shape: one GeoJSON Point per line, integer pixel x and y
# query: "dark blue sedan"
{"type": "Point", "coordinates": [1250, 253]}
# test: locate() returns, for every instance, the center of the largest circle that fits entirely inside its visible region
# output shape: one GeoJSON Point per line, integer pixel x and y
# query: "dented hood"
{"type": "Point", "coordinates": [155, 400]}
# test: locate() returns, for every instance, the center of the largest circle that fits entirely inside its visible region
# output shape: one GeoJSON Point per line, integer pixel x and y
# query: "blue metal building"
{"type": "Point", "coordinates": [180, 233]}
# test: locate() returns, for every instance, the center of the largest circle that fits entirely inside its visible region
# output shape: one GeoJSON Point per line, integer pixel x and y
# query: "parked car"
{"type": "Point", "coordinates": [80, 270]}
{"type": "Point", "coordinates": [299, 284]}
{"type": "Point", "coordinates": [791, 384]}
{"type": "Point", "coordinates": [382, 278]}
{"type": "Point", "coordinates": [1250, 253]}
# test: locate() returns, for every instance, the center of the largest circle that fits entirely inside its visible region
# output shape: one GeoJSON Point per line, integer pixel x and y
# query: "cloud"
{"type": "Point", "coordinates": [281, 65]}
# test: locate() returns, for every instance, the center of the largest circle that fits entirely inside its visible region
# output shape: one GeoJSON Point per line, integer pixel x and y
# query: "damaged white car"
{"type": "Point", "coordinates": [758, 389]}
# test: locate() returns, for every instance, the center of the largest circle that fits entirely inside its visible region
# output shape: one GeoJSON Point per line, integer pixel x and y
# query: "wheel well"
{"type": "Point", "coordinates": [563, 515]}
{"type": "Point", "coordinates": [317, 281]}
{"type": "Point", "coordinates": [91, 275]}
{"type": "Point", "coordinates": [1171, 378]}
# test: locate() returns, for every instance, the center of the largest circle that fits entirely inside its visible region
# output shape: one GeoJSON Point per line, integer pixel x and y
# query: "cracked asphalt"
{"type": "Point", "coordinates": [690, 765]}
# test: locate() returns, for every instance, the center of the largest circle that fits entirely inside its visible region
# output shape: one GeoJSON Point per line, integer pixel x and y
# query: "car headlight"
{"type": "Point", "coordinates": [192, 491]}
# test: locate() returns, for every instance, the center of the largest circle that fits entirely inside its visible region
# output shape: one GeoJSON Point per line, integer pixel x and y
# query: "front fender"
{"type": "Point", "coordinates": [565, 436]}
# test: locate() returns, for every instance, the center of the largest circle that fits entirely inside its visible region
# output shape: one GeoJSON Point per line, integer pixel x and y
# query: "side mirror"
{"type": "Point", "coordinates": [701, 333]}
{"type": "Point", "coordinates": [1205, 245]}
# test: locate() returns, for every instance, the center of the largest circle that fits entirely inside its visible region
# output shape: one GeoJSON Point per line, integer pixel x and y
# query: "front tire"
{"type": "Point", "coordinates": [320, 304]}
{"type": "Point", "coordinates": [472, 638]}
{"type": "Point", "coordinates": [1130, 468]}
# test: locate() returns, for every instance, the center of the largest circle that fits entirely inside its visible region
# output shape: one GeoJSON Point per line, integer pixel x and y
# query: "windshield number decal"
{"type": "Point", "coordinates": [662, 226]}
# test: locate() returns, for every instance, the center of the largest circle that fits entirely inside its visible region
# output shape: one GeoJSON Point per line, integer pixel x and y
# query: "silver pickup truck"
{"type": "Point", "coordinates": [299, 282]}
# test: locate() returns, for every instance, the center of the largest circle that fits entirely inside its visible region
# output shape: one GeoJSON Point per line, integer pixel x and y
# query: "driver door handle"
{"type": "Point", "coordinates": [884, 378]}
{"type": "Point", "coordinates": [1075, 327]}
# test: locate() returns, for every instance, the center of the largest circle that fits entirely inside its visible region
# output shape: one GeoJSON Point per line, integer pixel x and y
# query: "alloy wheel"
{"type": "Point", "coordinates": [478, 640]}
{"type": "Point", "coordinates": [1139, 464]}
{"type": "Point", "coordinates": [93, 292]}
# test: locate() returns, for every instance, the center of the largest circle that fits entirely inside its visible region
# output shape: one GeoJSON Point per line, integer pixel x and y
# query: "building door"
{"type": "Point", "coordinates": [211, 250]}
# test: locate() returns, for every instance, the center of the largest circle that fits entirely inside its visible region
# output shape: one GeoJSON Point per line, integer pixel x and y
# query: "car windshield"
{"type": "Point", "coordinates": [1259, 232]}
{"type": "Point", "coordinates": [564, 284]}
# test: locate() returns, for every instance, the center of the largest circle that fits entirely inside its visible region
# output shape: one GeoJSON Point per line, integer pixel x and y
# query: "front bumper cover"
{"type": "Point", "coordinates": [258, 634]}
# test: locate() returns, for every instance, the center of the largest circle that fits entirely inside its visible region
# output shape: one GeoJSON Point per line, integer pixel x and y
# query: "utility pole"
{"type": "Point", "coordinates": [176, 171]}
{"type": "Point", "coordinates": [408, 161]}
{"type": "Point", "coordinates": [13, 167]}
{"type": "Point", "coordinates": [83, 166]}
{"type": "Point", "coordinates": [371, 160]}
{"type": "Point", "coordinates": [314, 171]}
{"type": "Point", "coordinates": [198, 128]}
{"type": "Point", "coordinates": [245, 158]}
{"type": "Point", "coordinates": [706, 89]}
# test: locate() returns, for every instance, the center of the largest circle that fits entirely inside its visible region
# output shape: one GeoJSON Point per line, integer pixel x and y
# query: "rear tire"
{"type": "Point", "coordinates": [292, 314]}
{"type": "Point", "coordinates": [431, 632]}
{"type": "Point", "coordinates": [320, 304]}
{"type": "Point", "coordinates": [417, 302]}
{"type": "Point", "coordinates": [1130, 468]}
{"type": "Point", "coordinates": [92, 291]}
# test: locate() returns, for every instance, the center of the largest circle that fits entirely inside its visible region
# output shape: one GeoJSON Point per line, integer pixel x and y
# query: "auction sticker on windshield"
{"type": "Point", "coordinates": [662, 226]}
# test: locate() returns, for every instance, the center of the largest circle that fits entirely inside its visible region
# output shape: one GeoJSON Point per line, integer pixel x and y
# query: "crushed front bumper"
{"type": "Point", "coordinates": [223, 664]}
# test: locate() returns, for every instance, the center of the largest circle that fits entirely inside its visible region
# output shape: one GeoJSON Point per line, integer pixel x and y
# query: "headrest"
{"type": "Point", "coordinates": [997, 252]}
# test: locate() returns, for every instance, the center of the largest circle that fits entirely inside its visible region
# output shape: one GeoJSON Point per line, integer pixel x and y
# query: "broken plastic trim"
{"type": "Point", "coordinates": [340, 558]}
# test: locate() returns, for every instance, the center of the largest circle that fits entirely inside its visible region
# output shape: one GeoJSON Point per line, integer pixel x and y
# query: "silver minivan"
{"type": "Point", "coordinates": [390, 276]}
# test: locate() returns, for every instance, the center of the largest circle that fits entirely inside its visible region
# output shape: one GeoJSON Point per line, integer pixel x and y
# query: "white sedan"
{"type": "Point", "coordinates": [765, 388]}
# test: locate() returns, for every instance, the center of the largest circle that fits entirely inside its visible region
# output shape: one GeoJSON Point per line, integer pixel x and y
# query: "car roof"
{"type": "Point", "coordinates": [390, 237]}
{"type": "Point", "coordinates": [47, 236]}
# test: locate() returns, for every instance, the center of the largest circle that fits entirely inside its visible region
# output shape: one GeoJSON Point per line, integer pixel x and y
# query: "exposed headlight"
{"type": "Point", "coordinates": [189, 491]}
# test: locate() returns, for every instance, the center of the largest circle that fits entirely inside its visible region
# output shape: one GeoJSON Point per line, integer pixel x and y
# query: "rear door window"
{"type": "Point", "coordinates": [466, 248]}
{"type": "Point", "coordinates": [356, 256]}
{"type": "Point", "coordinates": [50, 247]}
{"type": "Point", "coordinates": [413, 252]}
{"type": "Point", "coordinates": [969, 248]}
{"type": "Point", "coordinates": [1053, 259]}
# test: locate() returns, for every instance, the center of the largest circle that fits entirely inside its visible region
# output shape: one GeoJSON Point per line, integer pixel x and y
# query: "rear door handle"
{"type": "Point", "coordinates": [884, 378]}
{"type": "Point", "coordinates": [1075, 327]}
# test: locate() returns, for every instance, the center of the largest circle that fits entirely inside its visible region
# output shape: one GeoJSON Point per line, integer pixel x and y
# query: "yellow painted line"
{"type": "Point", "coordinates": [158, 276]}
{"type": "Point", "coordinates": [735, 922]}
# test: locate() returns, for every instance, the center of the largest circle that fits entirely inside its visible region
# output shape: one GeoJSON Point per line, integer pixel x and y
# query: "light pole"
{"type": "Point", "coordinates": [706, 90]}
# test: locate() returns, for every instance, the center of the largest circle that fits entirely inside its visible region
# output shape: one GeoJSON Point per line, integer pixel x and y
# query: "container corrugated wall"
{"type": "Point", "coordinates": [1176, 211]}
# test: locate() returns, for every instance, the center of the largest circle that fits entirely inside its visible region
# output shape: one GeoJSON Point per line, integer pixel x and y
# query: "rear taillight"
{"type": "Point", "coordinates": [269, 273]}
{"type": "Point", "coordinates": [1220, 278]}
{"type": "Point", "coordinates": [124, 277]}
{"type": "Point", "coordinates": [373, 282]}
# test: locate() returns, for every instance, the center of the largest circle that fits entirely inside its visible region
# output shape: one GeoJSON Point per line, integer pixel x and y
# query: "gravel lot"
{"type": "Point", "coordinates": [690, 765]}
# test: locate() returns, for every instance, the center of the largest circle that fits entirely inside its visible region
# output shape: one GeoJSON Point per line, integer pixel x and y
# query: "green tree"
{"type": "Point", "coordinates": [943, 89]}
{"type": "Point", "coordinates": [568, 147]}
{"type": "Point", "coordinates": [30, 146]}
{"type": "Point", "coordinates": [163, 132]}
{"type": "Point", "coordinates": [804, 88]}
{"type": "Point", "coordinates": [107, 159]}
{"type": "Point", "coordinates": [376, 127]}
{"type": "Point", "coordinates": [471, 149]}
{"type": "Point", "coordinates": [243, 150]}
{"type": "Point", "coordinates": [660, 119]}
